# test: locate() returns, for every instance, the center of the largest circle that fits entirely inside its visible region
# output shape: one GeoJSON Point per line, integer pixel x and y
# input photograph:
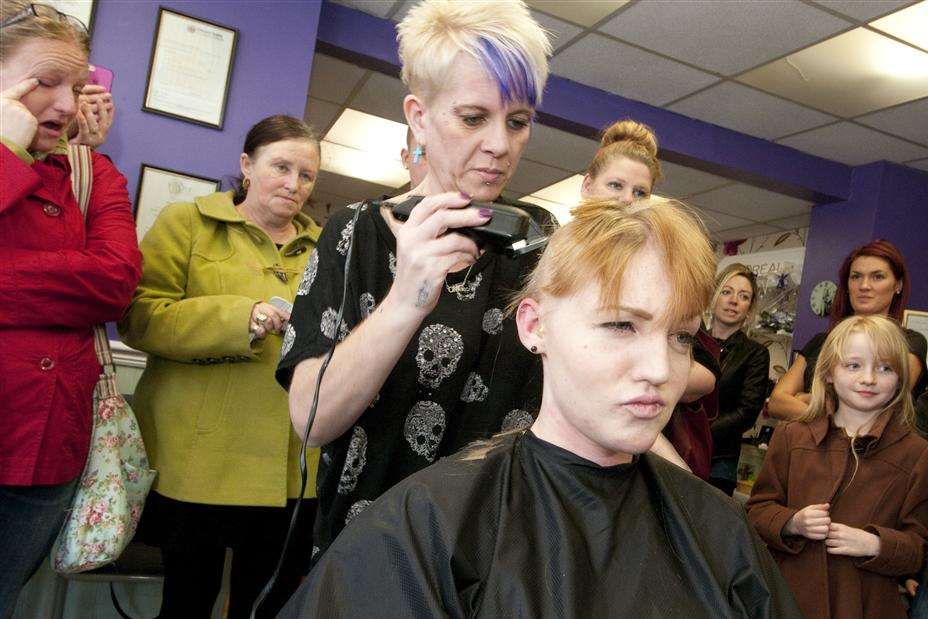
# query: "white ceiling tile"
{"type": "Point", "coordinates": [321, 114]}
{"type": "Point", "coordinates": [854, 73]}
{"type": "Point", "coordinates": [333, 79]}
{"type": "Point", "coordinates": [354, 189]}
{"type": "Point", "coordinates": [909, 121]}
{"type": "Point", "coordinates": [582, 12]}
{"type": "Point", "coordinates": [559, 148]}
{"type": "Point", "coordinates": [680, 181]}
{"type": "Point", "coordinates": [744, 232]}
{"type": "Point", "coordinates": [720, 35]}
{"type": "Point", "coordinates": [380, 8]}
{"type": "Point", "coordinates": [863, 10]}
{"type": "Point", "coordinates": [381, 95]}
{"type": "Point", "coordinates": [753, 203]}
{"type": "Point", "coordinates": [719, 221]}
{"type": "Point", "coordinates": [910, 24]}
{"type": "Point", "coordinates": [627, 71]}
{"type": "Point", "coordinates": [921, 165]}
{"type": "Point", "coordinates": [531, 176]}
{"type": "Point", "coordinates": [749, 111]}
{"type": "Point", "coordinates": [561, 31]}
{"type": "Point", "coordinates": [854, 145]}
{"type": "Point", "coordinates": [792, 223]}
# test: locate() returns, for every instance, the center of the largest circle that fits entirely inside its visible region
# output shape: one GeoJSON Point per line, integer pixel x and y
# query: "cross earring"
{"type": "Point", "coordinates": [417, 154]}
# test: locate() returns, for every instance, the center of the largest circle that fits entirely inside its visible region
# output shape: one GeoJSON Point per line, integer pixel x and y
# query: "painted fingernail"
{"type": "Point", "coordinates": [486, 213]}
{"type": "Point", "coordinates": [465, 196]}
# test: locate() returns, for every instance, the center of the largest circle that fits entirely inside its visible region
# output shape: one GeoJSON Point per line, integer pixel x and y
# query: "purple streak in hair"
{"type": "Point", "coordinates": [511, 70]}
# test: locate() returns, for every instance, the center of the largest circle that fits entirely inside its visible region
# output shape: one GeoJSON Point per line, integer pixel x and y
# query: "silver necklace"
{"type": "Point", "coordinates": [461, 288]}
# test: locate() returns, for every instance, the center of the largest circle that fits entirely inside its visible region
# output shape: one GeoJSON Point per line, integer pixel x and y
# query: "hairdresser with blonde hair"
{"type": "Point", "coordinates": [60, 274]}
{"type": "Point", "coordinates": [571, 518]}
{"type": "Point", "coordinates": [745, 368]}
{"type": "Point", "coordinates": [425, 361]}
{"type": "Point", "coordinates": [626, 168]}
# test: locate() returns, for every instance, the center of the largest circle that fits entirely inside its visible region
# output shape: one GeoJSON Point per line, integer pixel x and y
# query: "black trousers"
{"type": "Point", "coordinates": [193, 538]}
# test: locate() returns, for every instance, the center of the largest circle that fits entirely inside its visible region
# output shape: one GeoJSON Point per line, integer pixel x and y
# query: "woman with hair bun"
{"type": "Point", "coordinates": [626, 166]}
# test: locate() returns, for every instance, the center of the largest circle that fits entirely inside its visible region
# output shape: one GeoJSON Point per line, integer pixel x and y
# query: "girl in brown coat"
{"type": "Point", "coordinates": [842, 501]}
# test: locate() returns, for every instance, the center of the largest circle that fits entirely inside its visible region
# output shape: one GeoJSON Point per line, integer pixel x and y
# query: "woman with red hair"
{"type": "Point", "coordinates": [873, 280]}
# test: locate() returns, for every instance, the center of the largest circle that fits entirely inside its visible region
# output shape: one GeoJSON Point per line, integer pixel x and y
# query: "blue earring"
{"type": "Point", "coordinates": [417, 153]}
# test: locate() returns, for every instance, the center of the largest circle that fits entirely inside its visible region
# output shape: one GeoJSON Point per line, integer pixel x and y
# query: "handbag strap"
{"type": "Point", "coordinates": [80, 158]}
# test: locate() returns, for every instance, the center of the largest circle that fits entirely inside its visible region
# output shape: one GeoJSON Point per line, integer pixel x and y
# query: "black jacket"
{"type": "Point", "coordinates": [529, 530]}
{"type": "Point", "coordinates": [742, 391]}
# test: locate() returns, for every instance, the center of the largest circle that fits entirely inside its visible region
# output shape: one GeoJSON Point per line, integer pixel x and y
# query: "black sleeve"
{"type": "Point", "coordinates": [311, 330]}
{"type": "Point", "coordinates": [917, 345]}
{"type": "Point", "coordinates": [738, 419]}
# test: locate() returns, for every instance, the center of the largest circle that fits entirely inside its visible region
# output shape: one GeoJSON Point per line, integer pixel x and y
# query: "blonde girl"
{"type": "Point", "coordinates": [625, 167]}
{"type": "Point", "coordinates": [842, 500]}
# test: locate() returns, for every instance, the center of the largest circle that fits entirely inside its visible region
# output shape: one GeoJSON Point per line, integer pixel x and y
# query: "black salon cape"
{"type": "Point", "coordinates": [531, 530]}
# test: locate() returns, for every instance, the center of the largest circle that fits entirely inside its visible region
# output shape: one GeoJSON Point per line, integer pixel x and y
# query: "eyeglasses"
{"type": "Point", "coordinates": [46, 12]}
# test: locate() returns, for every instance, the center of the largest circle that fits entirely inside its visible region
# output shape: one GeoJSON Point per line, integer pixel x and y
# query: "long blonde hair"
{"type": "Point", "coordinates": [891, 347]}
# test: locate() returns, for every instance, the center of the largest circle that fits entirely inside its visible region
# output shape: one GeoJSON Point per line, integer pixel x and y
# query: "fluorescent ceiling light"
{"type": "Point", "coordinates": [367, 147]}
{"type": "Point", "coordinates": [561, 212]}
{"type": "Point", "coordinates": [558, 198]}
{"type": "Point", "coordinates": [910, 24]}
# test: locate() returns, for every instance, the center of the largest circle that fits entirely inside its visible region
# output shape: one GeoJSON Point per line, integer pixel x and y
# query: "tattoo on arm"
{"type": "Point", "coordinates": [423, 296]}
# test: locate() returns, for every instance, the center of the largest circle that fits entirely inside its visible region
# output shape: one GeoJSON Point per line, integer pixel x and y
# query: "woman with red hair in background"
{"type": "Point", "coordinates": [872, 280]}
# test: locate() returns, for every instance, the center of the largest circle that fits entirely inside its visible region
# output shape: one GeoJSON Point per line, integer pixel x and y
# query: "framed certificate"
{"type": "Point", "coordinates": [81, 9]}
{"type": "Point", "coordinates": [190, 69]}
{"type": "Point", "coordinates": [916, 321]}
{"type": "Point", "coordinates": [159, 187]}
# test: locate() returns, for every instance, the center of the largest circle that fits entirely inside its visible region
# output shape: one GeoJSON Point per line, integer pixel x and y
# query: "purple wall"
{"type": "Point", "coordinates": [887, 201]}
{"type": "Point", "coordinates": [270, 75]}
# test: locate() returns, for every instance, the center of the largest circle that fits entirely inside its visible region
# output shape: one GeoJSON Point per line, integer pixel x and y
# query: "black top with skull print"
{"type": "Point", "coordinates": [464, 375]}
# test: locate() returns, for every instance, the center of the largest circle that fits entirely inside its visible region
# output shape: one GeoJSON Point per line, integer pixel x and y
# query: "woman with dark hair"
{"type": "Point", "coordinates": [61, 273]}
{"type": "Point", "coordinates": [873, 280]}
{"type": "Point", "coordinates": [745, 367]}
{"type": "Point", "coordinates": [214, 421]}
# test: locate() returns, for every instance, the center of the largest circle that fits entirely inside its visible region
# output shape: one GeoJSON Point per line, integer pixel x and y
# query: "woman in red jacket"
{"type": "Point", "coordinates": [59, 276]}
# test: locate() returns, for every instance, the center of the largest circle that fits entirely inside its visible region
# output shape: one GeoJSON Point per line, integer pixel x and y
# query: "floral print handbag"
{"type": "Point", "coordinates": [109, 499]}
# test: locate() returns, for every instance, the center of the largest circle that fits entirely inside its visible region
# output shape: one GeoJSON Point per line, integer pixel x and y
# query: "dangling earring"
{"type": "Point", "coordinates": [246, 184]}
{"type": "Point", "coordinates": [417, 154]}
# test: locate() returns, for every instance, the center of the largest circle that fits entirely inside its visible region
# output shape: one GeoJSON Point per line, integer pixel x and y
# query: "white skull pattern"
{"type": "Point", "coordinates": [356, 509]}
{"type": "Point", "coordinates": [440, 349]}
{"type": "Point", "coordinates": [391, 261]}
{"type": "Point", "coordinates": [309, 275]}
{"type": "Point", "coordinates": [327, 325]}
{"type": "Point", "coordinates": [474, 389]}
{"type": "Point", "coordinates": [354, 461]}
{"type": "Point", "coordinates": [493, 321]}
{"type": "Point", "coordinates": [367, 304]}
{"type": "Point", "coordinates": [517, 419]}
{"type": "Point", "coordinates": [424, 428]}
{"type": "Point", "coordinates": [342, 246]}
{"type": "Point", "coordinates": [289, 338]}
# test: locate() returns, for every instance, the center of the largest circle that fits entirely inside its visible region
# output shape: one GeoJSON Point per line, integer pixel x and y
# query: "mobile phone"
{"type": "Point", "coordinates": [281, 304]}
{"type": "Point", "coordinates": [101, 76]}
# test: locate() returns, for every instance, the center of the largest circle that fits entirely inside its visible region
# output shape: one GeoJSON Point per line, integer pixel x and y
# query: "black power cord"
{"type": "Point", "coordinates": [312, 415]}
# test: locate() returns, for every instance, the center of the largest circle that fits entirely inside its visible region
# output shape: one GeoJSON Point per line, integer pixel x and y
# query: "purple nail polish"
{"type": "Point", "coordinates": [485, 212]}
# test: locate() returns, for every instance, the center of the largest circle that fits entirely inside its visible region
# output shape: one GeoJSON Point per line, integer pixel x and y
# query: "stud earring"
{"type": "Point", "coordinates": [246, 184]}
{"type": "Point", "coordinates": [417, 153]}
{"type": "Point", "coordinates": [534, 349]}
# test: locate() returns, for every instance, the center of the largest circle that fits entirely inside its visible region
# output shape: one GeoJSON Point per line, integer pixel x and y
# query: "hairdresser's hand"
{"type": "Point", "coordinates": [265, 318]}
{"type": "Point", "coordinates": [425, 253]}
{"type": "Point", "coordinates": [17, 124]}
{"type": "Point", "coordinates": [812, 522]}
{"type": "Point", "coordinates": [852, 542]}
{"type": "Point", "coordinates": [95, 111]}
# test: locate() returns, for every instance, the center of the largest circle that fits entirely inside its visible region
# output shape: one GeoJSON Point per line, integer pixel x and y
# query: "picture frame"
{"type": "Point", "coordinates": [916, 321]}
{"type": "Point", "coordinates": [84, 10]}
{"type": "Point", "coordinates": [190, 69]}
{"type": "Point", "coordinates": [159, 187]}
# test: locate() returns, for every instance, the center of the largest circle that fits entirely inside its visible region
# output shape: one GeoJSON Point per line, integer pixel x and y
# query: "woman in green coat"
{"type": "Point", "coordinates": [215, 422]}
